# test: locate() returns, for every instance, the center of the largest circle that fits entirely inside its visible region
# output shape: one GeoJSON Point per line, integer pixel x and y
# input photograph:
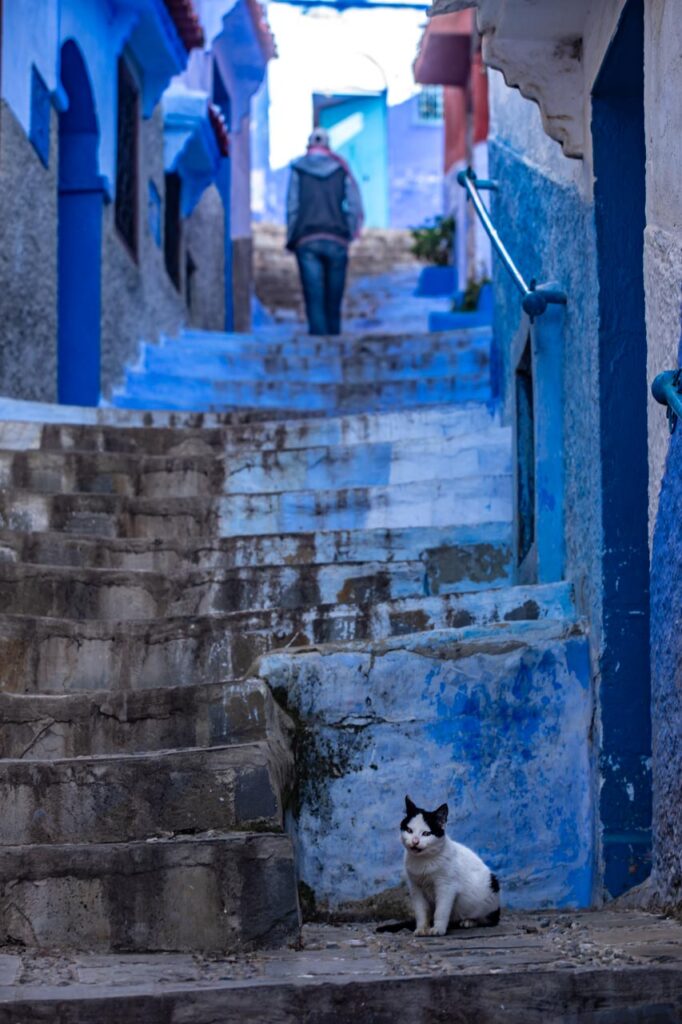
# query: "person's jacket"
{"type": "Point", "coordinates": [323, 200]}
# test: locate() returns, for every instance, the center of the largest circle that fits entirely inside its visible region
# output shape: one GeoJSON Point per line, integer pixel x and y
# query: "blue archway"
{"type": "Point", "coordinates": [80, 237]}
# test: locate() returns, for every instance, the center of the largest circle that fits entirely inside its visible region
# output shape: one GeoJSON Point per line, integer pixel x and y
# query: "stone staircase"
{"type": "Point", "coordinates": [233, 633]}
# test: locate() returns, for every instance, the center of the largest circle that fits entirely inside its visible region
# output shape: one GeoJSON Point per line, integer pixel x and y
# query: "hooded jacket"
{"type": "Point", "coordinates": [323, 200]}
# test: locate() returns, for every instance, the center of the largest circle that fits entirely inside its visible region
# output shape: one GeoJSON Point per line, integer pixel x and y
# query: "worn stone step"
{"type": "Point", "coordinates": [84, 594]}
{"type": "Point", "coordinates": [59, 726]}
{"type": "Point", "coordinates": [110, 595]}
{"type": "Point", "coordinates": [463, 557]}
{"type": "Point", "coordinates": [253, 471]}
{"type": "Point", "coordinates": [164, 391]}
{"type": "Point", "coordinates": [443, 502]}
{"type": "Point", "coordinates": [601, 967]}
{"type": "Point", "coordinates": [124, 797]}
{"type": "Point", "coordinates": [365, 363]}
{"type": "Point", "coordinates": [202, 894]}
{"type": "Point", "coordinates": [282, 340]}
{"type": "Point", "coordinates": [107, 415]}
{"type": "Point", "coordinates": [362, 428]}
{"type": "Point", "coordinates": [497, 720]}
{"type": "Point", "coordinates": [54, 655]}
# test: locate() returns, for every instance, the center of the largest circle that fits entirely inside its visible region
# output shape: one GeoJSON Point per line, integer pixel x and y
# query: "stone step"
{"type": "Point", "coordinates": [111, 595]}
{"type": "Point", "coordinates": [125, 797]}
{"type": "Point", "coordinates": [601, 967]}
{"type": "Point", "coordinates": [254, 471]}
{"type": "Point", "coordinates": [496, 720]}
{"type": "Point", "coordinates": [430, 422]}
{"type": "Point", "coordinates": [62, 592]}
{"type": "Point", "coordinates": [16, 410]}
{"type": "Point", "coordinates": [282, 339]}
{"type": "Point", "coordinates": [456, 558]}
{"type": "Point", "coordinates": [432, 503]}
{"type": "Point", "coordinates": [60, 726]}
{"type": "Point", "coordinates": [165, 391]}
{"type": "Point", "coordinates": [365, 363]}
{"type": "Point", "coordinates": [40, 655]}
{"type": "Point", "coordinates": [211, 894]}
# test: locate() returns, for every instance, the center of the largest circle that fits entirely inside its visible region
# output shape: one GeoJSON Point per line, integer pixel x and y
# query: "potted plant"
{"type": "Point", "coordinates": [433, 243]}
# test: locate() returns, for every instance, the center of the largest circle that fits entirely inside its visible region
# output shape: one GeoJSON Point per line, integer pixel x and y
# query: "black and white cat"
{"type": "Point", "coordinates": [448, 882]}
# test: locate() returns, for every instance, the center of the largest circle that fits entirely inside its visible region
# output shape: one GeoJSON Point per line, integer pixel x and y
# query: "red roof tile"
{"type": "Point", "coordinates": [263, 30]}
{"type": "Point", "coordinates": [186, 22]}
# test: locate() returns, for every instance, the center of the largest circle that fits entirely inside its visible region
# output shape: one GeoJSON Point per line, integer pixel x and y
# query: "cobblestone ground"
{"type": "Point", "coordinates": [521, 943]}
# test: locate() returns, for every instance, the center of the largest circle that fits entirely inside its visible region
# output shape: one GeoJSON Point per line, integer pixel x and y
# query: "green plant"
{"type": "Point", "coordinates": [433, 241]}
{"type": "Point", "coordinates": [470, 295]}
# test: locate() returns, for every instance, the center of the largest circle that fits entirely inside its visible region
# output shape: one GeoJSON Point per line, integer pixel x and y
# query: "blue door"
{"type": "Point", "coordinates": [80, 238]}
{"type": "Point", "coordinates": [357, 126]}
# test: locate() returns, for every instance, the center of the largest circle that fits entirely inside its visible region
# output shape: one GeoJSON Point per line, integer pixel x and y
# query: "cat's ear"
{"type": "Point", "coordinates": [410, 808]}
{"type": "Point", "coordinates": [441, 814]}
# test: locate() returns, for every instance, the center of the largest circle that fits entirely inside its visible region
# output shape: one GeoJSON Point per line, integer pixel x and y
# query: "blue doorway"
{"type": "Point", "coordinates": [358, 129]}
{"type": "Point", "coordinates": [79, 238]}
{"type": "Point", "coordinates": [625, 698]}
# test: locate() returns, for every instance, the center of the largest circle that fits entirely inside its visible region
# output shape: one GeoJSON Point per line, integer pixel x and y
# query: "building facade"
{"type": "Point", "coordinates": [589, 201]}
{"type": "Point", "coordinates": [116, 185]}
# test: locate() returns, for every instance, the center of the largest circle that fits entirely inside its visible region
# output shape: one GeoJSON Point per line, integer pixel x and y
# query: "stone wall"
{"type": "Point", "coordinates": [28, 264]}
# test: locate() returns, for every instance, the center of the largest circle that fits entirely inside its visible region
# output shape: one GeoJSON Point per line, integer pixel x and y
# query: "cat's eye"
{"type": "Point", "coordinates": [408, 829]}
{"type": "Point", "coordinates": [427, 833]}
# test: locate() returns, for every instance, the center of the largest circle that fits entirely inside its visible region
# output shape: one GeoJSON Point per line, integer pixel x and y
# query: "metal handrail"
{"type": "Point", "coordinates": [667, 390]}
{"type": "Point", "coordinates": [534, 297]}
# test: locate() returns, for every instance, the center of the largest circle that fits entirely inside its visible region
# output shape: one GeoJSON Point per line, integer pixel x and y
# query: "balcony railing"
{"type": "Point", "coordinates": [534, 297]}
{"type": "Point", "coordinates": [667, 389]}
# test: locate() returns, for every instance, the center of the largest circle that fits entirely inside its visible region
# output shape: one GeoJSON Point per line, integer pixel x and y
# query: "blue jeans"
{"type": "Point", "coordinates": [322, 265]}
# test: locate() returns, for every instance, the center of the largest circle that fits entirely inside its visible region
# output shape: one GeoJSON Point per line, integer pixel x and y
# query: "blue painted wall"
{"type": "Point", "coordinates": [358, 129]}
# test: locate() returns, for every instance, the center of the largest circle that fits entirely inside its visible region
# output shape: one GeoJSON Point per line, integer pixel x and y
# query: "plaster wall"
{"type": "Point", "coordinates": [499, 732]}
{"type": "Point", "coordinates": [204, 234]}
{"type": "Point", "coordinates": [139, 300]}
{"type": "Point", "coordinates": [28, 263]}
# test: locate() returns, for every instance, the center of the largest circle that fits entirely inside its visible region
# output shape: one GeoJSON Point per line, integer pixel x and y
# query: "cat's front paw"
{"type": "Point", "coordinates": [437, 930]}
{"type": "Point", "coordinates": [422, 930]}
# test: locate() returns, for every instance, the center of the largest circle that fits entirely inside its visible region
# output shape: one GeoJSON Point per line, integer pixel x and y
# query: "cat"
{"type": "Point", "coordinates": [449, 884]}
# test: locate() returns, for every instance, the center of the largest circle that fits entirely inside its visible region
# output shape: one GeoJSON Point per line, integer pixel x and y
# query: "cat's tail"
{"type": "Point", "coordinates": [408, 925]}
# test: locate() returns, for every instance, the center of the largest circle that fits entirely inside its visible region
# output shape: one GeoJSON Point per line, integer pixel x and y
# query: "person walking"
{"type": "Point", "coordinates": [324, 215]}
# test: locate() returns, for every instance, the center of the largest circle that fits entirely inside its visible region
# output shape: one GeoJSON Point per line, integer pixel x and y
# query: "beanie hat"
{"type": "Point", "coordinates": [319, 137]}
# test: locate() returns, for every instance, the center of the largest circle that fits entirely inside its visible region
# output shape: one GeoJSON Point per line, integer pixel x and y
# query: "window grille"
{"type": "Point", "coordinates": [127, 157]}
{"type": "Point", "coordinates": [430, 104]}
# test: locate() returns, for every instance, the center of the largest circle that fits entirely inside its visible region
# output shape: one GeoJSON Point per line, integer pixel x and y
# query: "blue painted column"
{"type": "Point", "coordinates": [224, 185]}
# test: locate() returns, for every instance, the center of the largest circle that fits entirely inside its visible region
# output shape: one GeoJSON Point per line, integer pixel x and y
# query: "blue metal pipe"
{"type": "Point", "coordinates": [667, 390]}
{"type": "Point", "coordinates": [534, 298]}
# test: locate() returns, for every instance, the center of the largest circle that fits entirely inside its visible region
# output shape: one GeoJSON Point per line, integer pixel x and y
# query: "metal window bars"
{"type": "Point", "coordinates": [667, 390]}
{"type": "Point", "coordinates": [534, 297]}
